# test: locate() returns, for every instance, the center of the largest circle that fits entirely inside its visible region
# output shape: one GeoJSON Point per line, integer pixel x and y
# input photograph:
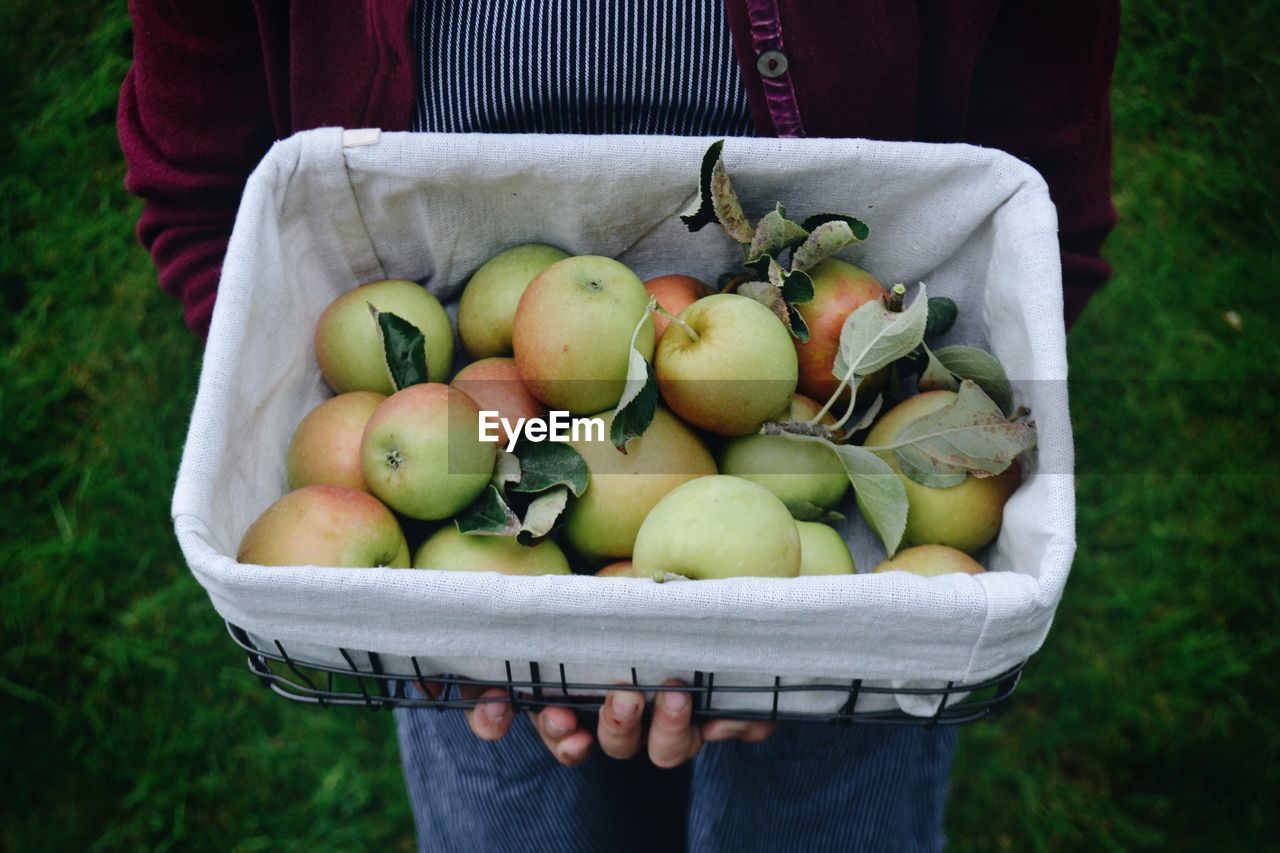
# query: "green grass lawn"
{"type": "Point", "coordinates": [1148, 721]}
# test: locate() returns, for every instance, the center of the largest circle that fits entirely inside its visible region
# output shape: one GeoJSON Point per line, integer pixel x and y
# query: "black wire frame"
{"type": "Point", "coordinates": [364, 682]}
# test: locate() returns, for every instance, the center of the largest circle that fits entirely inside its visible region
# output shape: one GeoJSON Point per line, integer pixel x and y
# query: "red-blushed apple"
{"type": "Point", "coordinates": [451, 550]}
{"type": "Point", "coordinates": [966, 516]}
{"type": "Point", "coordinates": [421, 452]}
{"type": "Point", "coordinates": [839, 289]}
{"type": "Point", "coordinates": [572, 332]}
{"type": "Point", "coordinates": [618, 569]}
{"type": "Point", "coordinates": [930, 561]}
{"type": "Point", "coordinates": [623, 487]}
{"type": "Point", "coordinates": [793, 470]}
{"type": "Point", "coordinates": [349, 344]}
{"type": "Point", "coordinates": [727, 366]}
{"type": "Point", "coordinates": [325, 525]}
{"type": "Point", "coordinates": [488, 304]}
{"type": "Point", "coordinates": [674, 294]}
{"type": "Point", "coordinates": [822, 551]}
{"type": "Point", "coordinates": [495, 385]}
{"type": "Point", "coordinates": [326, 445]}
{"type": "Point", "coordinates": [718, 527]}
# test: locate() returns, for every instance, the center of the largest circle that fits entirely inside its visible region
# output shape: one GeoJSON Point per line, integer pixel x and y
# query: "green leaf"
{"type": "Point", "coordinates": [969, 435]}
{"type": "Point", "coordinates": [797, 287]}
{"type": "Point", "coordinates": [942, 316]}
{"type": "Point", "coordinates": [857, 226]}
{"type": "Point", "coordinates": [810, 511]}
{"type": "Point", "coordinates": [404, 346]}
{"type": "Point", "coordinates": [981, 367]}
{"type": "Point", "coordinates": [717, 200]}
{"type": "Point", "coordinates": [823, 242]}
{"type": "Point", "coordinates": [542, 514]}
{"type": "Point", "coordinates": [774, 235]}
{"type": "Point", "coordinates": [489, 515]}
{"type": "Point", "coordinates": [935, 376]}
{"type": "Point", "coordinates": [873, 336]}
{"type": "Point", "coordinates": [639, 399]}
{"type": "Point", "coordinates": [548, 465]}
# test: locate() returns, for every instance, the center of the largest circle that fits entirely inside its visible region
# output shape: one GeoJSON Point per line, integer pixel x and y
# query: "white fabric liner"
{"type": "Point", "coordinates": [317, 218]}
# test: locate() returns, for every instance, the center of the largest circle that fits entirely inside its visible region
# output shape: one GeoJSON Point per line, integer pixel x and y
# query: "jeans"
{"type": "Point", "coordinates": [810, 787]}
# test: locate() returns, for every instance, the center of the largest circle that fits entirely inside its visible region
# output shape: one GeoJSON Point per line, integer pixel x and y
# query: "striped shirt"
{"type": "Point", "coordinates": [577, 66]}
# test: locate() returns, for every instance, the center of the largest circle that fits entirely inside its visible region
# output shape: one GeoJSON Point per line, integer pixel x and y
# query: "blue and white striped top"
{"type": "Point", "coordinates": [577, 66]}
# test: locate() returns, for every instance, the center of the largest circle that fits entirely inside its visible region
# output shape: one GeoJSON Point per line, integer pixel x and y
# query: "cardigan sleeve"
{"type": "Point", "coordinates": [1042, 92]}
{"type": "Point", "coordinates": [194, 119]}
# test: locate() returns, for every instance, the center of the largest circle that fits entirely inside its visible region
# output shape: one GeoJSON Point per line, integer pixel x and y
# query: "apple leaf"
{"type": "Point", "coordinates": [935, 376]}
{"type": "Point", "coordinates": [942, 316]}
{"type": "Point", "coordinates": [868, 417]}
{"type": "Point", "coordinates": [639, 399]}
{"type": "Point", "coordinates": [823, 242]}
{"type": "Point", "coordinates": [717, 199]}
{"type": "Point", "coordinates": [404, 347]}
{"type": "Point", "coordinates": [768, 295]}
{"type": "Point", "coordinates": [548, 465]}
{"type": "Point", "coordinates": [873, 336]}
{"type": "Point", "coordinates": [981, 367]}
{"type": "Point", "coordinates": [542, 514]}
{"type": "Point", "coordinates": [810, 511]}
{"type": "Point", "coordinates": [970, 435]}
{"type": "Point", "coordinates": [857, 226]}
{"type": "Point", "coordinates": [774, 235]}
{"type": "Point", "coordinates": [489, 515]}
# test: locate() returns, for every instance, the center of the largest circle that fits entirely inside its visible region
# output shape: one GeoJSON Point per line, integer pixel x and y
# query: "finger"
{"type": "Point", "coordinates": [747, 731]}
{"type": "Point", "coordinates": [619, 730]}
{"type": "Point", "coordinates": [672, 738]}
{"type": "Point", "coordinates": [558, 728]}
{"type": "Point", "coordinates": [491, 718]}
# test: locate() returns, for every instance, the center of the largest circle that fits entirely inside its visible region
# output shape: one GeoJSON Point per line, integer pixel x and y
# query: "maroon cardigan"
{"type": "Point", "coordinates": [214, 84]}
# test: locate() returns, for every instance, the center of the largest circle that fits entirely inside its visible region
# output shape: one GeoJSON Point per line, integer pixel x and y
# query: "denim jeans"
{"type": "Point", "coordinates": [810, 787]}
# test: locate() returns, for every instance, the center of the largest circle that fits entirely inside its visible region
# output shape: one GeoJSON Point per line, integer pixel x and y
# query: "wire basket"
{"type": "Point", "coordinates": [365, 681]}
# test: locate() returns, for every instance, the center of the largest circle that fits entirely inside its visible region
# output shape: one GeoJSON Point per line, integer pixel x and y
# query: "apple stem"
{"type": "Point", "coordinates": [685, 327]}
{"type": "Point", "coordinates": [894, 299]}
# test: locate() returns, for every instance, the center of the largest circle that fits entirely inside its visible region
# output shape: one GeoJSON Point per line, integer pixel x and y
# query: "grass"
{"type": "Point", "coordinates": [1148, 720]}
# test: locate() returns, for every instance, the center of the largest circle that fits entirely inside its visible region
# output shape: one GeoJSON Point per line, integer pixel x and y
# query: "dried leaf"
{"type": "Point", "coordinates": [542, 514]}
{"type": "Point", "coordinates": [775, 234]}
{"type": "Point", "coordinates": [823, 242]}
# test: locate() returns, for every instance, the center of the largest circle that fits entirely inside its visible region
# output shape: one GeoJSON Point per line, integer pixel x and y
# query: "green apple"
{"type": "Point", "coordinates": [674, 294]}
{"type": "Point", "coordinates": [822, 551]}
{"type": "Point", "coordinates": [727, 366]}
{"type": "Point", "coordinates": [495, 385]}
{"type": "Point", "coordinates": [451, 550]}
{"type": "Point", "coordinates": [966, 516]}
{"type": "Point", "coordinates": [931, 560]}
{"type": "Point", "coordinates": [623, 487]}
{"type": "Point", "coordinates": [349, 344]}
{"type": "Point", "coordinates": [325, 525]}
{"type": "Point", "coordinates": [572, 333]}
{"type": "Point", "coordinates": [619, 569]}
{"type": "Point", "coordinates": [488, 304]}
{"type": "Point", "coordinates": [422, 453]}
{"type": "Point", "coordinates": [718, 527]}
{"type": "Point", "coordinates": [839, 289]}
{"type": "Point", "coordinates": [792, 470]}
{"type": "Point", "coordinates": [326, 445]}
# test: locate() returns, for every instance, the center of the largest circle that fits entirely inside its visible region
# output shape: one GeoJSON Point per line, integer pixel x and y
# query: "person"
{"type": "Point", "coordinates": [213, 85]}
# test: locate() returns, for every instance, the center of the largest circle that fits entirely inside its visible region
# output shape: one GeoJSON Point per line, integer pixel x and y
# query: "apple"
{"type": "Point", "coordinates": [966, 516]}
{"type": "Point", "coordinates": [839, 289]}
{"type": "Point", "coordinates": [325, 525]}
{"type": "Point", "coordinates": [452, 550]}
{"type": "Point", "coordinates": [674, 294]}
{"type": "Point", "coordinates": [495, 385]}
{"type": "Point", "coordinates": [326, 445]}
{"type": "Point", "coordinates": [619, 569]}
{"type": "Point", "coordinates": [572, 332]}
{"type": "Point", "coordinates": [793, 470]}
{"type": "Point", "coordinates": [719, 527]}
{"type": "Point", "coordinates": [931, 560]}
{"type": "Point", "coordinates": [624, 487]}
{"type": "Point", "coordinates": [488, 304]}
{"type": "Point", "coordinates": [349, 344]}
{"type": "Point", "coordinates": [822, 551]}
{"type": "Point", "coordinates": [421, 452]}
{"type": "Point", "coordinates": [734, 372]}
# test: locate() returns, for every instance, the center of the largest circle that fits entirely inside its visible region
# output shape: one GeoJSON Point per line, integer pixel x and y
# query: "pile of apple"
{"type": "Point", "coordinates": [731, 419]}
